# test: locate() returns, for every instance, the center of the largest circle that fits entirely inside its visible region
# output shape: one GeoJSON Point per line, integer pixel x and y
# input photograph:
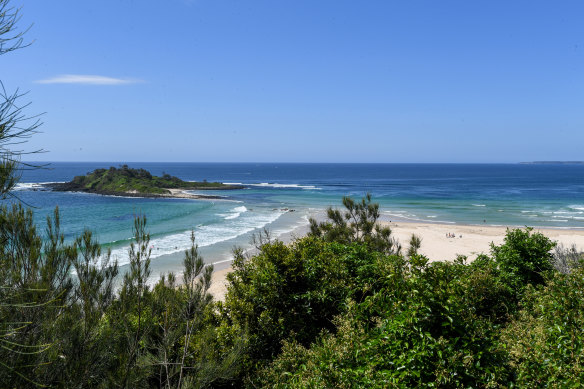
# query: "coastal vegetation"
{"type": "Point", "coordinates": [128, 181]}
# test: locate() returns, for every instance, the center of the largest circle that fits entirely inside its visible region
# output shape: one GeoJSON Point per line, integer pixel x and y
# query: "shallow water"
{"type": "Point", "coordinates": [498, 194]}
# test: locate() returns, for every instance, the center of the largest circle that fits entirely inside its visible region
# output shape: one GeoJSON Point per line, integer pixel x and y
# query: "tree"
{"type": "Point", "coordinates": [134, 305]}
{"type": "Point", "coordinates": [15, 126]}
{"type": "Point", "coordinates": [524, 258]}
{"type": "Point", "coordinates": [35, 294]}
{"type": "Point", "coordinates": [358, 224]}
{"type": "Point", "coordinates": [83, 338]}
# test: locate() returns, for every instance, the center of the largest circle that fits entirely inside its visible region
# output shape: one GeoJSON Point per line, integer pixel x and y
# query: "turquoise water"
{"type": "Point", "coordinates": [534, 195]}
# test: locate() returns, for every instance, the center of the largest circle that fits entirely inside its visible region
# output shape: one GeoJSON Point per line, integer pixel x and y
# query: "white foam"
{"type": "Point", "coordinates": [478, 205]}
{"type": "Point", "coordinates": [302, 222]}
{"type": "Point", "coordinates": [33, 185]}
{"type": "Point", "coordinates": [234, 213]}
{"type": "Point", "coordinates": [395, 213]}
{"type": "Point", "coordinates": [206, 235]}
{"type": "Point", "coordinates": [413, 217]}
{"type": "Point", "coordinates": [292, 186]}
{"type": "Point", "coordinates": [276, 185]}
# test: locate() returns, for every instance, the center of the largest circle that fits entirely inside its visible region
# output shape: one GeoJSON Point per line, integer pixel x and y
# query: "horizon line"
{"type": "Point", "coordinates": [310, 162]}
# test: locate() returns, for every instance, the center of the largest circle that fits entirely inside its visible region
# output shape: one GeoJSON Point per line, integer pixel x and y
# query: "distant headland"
{"type": "Point", "coordinates": [125, 181]}
{"type": "Point", "coordinates": [553, 163]}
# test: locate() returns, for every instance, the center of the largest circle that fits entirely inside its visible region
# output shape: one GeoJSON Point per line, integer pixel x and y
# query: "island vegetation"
{"type": "Point", "coordinates": [126, 181]}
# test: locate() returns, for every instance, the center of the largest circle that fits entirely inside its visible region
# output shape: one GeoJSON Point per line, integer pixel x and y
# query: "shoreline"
{"type": "Point", "coordinates": [436, 245]}
{"type": "Point", "coordinates": [174, 193]}
{"type": "Point", "coordinates": [475, 240]}
{"type": "Point", "coordinates": [386, 219]}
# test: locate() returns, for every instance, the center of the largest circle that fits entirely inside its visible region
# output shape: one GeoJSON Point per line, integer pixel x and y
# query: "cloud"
{"type": "Point", "coordinates": [87, 79]}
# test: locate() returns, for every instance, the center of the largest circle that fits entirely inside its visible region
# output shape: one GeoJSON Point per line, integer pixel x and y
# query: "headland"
{"type": "Point", "coordinates": [128, 182]}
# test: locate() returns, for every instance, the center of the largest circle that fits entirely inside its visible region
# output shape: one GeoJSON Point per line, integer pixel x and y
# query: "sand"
{"type": "Point", "coordinates": [218, 287]}
{"type": "Point", "coordinates": [475, 240]}
{"type": "Point", "coordinates": [438, 247]}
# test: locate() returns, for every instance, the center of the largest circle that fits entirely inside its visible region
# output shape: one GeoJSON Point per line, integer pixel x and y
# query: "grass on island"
{"type": "Point", "coordinates": [128, 180]}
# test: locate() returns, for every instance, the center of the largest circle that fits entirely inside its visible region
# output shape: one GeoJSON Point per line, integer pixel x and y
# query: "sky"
{"type": "Point", "coordinates": [302, 81]}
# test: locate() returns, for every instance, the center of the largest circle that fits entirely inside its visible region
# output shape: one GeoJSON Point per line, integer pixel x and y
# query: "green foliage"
{"type": "Point", "coordinates": [524, 258]}
{"type": "Point", "coordinates": [84, 347]}
{"type": "Point", "coordinates": [358, 224]}
{"type": "Point", "coordinates": [291, 292]}
{"type": "Point", "coordinates": [418, 330]}
{"type": "Point", "coordinates": [486, 293]}
{"type": "Point", "coordinates": [546, 342]}
{"type": "Point", "coordinates": [126, 180]}
{"type": "Point", "coordinates": [196, 283]}
{"type": "Point", "coordinates": [133, 312]}
{"type": "Point", "coordinates": [35, 284]}
{"type": "Point", "coordinates": [415, 244]}
{"type": "Point", "coordinates": [70, 329]}
{"type": "Point", "coordinates": [432, 325]}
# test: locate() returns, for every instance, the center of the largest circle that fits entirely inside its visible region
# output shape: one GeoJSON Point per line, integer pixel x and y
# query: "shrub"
{"type": "Point", "coordinates": [291, 293]}
{"type": "Point", "coordinates": [358, 223]}
{"type": "Point", "coordinates": [417, 331]}
{"type": "Point", "coordinates": [523, 259]}
{"type": "Point", "coordinates": [567, 258]}
{"type": "Point", "coordinates": [546, 342]}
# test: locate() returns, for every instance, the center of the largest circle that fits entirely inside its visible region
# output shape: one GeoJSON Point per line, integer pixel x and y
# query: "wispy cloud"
{"type": "Point", "coordinates": [87, 79]}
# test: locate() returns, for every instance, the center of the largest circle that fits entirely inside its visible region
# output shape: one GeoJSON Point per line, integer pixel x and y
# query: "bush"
{"type": "Point", "coordinates": [291, 293]}
{"type": "Point", "coordinates": [524, 258]}
{"type": "Point", "coordinates": [567, 259]}
{"type": "Point", "coordinates": [357, 224]}
{"type": "Point", "coordinates": [546, 342]}
{"type": "Point", "coordinates": [417, 331]}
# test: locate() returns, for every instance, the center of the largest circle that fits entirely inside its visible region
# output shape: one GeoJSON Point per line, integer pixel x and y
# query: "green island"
{"type": "Point", "coordinates": [126, 181]}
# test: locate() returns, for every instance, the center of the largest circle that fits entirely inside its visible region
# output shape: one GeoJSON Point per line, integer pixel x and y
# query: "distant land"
{"type": "Point", "coordinates": [553, 163]}
{"type": "Point", "coordinates": [125, 181]}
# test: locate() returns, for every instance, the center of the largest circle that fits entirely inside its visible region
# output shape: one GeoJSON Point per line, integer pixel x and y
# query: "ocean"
{"type": "Point", "coordinates": [282, 196]}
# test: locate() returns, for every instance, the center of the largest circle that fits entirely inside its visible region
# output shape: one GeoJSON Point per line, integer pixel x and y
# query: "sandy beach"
{"type": "Point", "coordinates": [470, 240]}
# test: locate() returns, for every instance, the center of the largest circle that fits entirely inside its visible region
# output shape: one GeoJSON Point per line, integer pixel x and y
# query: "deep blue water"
{"type": "Point", "coordinates": [496, 194]}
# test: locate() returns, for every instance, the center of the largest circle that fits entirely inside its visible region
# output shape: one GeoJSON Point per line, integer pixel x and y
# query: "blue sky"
{"type": "Point", "coordinates": [303, 81]}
